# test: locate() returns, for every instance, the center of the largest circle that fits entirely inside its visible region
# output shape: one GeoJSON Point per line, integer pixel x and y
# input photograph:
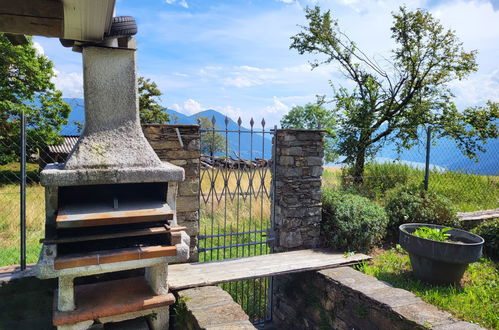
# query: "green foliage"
{"type": "Point", "coordinates": [475, 300]}
{"type": "Point", "coordinates": [413, 204]}
{"type": "Point", "coordinates": [351, 222]}
{"type": "Point", "coordinates": [489, 231]}
{"type": "Point", "coordinates": [211, 142]}
{"type": "Point", "coordinates": [467, 192]}
{"type": "Point", "coordinates": [395, 103]}
{"type": "Point", "coordinates": [310, 116]}
{"type": "Point", "coordinates": [149, 109]}
{"type": "Point", "coordinates": [26, 86]}
{"type": "Point", "coordinates": [181, 314]}
{"type": "Point", "coordinates": [434, 234]}
{"type": "Point", "coordinates": [380, 178]}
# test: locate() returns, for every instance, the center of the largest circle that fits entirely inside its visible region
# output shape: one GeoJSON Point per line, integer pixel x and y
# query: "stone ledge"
{"type": "Point", "coordinates": [400, 303]}
{"type": "Point", "coordinates": [211, 307]}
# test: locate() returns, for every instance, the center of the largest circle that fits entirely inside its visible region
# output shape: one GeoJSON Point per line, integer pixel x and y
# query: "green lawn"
{"type": "Point", "coordinates": [475, 300]}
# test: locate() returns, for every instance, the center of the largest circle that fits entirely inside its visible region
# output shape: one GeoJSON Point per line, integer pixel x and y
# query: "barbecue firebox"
{"type": "Point", "coordinates": [111, 206]}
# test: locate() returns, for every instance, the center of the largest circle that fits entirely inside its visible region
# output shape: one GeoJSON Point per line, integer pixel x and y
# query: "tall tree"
{"type": "Point", "coordinates": [149, 109]}
{"type": "Point", "coordinates": [393, 101]}
{"type": "Point", "coordinates": [211, 142]}
{"type": "Point", "coordinates": [26, 86]}
{"type": "Point", "coordinates": [314, 116]}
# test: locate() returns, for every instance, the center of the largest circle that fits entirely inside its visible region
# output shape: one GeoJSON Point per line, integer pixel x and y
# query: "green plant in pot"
{"type": "Point", "coordinates": [439, 254]}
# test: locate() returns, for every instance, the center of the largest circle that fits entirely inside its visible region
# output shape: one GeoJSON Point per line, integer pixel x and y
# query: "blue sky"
{"type": "Point", "coordinates": [233, 56]}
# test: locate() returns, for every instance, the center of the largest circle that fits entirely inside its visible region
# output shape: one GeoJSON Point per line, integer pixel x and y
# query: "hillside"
{"type": "Point", "coordinates": [444, 154]}
{"type": "Point", "coordinates": [249, 148]}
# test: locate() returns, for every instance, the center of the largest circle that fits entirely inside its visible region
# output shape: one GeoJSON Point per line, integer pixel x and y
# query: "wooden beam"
{"type": "Point", "coordinates": [33, 8]}
{"type": "Point", "coordinates": [17, 39]}
{"type": "Point", "coordinates": [181, 276]}
{"type": "Point", "coordinates": [32, 17]}
{"type": "Point", "coordinates": [40, 26]}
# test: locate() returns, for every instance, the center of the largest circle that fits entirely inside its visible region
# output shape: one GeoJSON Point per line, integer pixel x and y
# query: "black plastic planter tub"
{"type": "Point", "coordinates": [440, 262]}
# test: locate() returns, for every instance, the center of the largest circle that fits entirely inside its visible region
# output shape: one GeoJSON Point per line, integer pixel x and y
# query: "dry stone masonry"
{"type": "Point", "coordinates": [299, 158]}
{"type": "Point", "coordinates": [182, 149]}
{"type": "Point", "coordinates": [343, 298]}
{"type": "Point", "coordinates": [209, 307]}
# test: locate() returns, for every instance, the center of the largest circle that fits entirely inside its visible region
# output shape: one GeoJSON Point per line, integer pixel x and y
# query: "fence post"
{"type": "Point", "coordinates": [427, 164]}
{"type": "Point", "coordinates": [22, 205]}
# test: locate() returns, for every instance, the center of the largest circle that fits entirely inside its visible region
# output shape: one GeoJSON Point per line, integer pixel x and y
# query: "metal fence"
{"type": "Point", "coordinates": [436, 164]}
{"type": "Point", "coordinates": [235, 198]}
{"type": "Point", "coordinates": [23, 152]}
{"type": "Point", "coordinates": [471, 185]}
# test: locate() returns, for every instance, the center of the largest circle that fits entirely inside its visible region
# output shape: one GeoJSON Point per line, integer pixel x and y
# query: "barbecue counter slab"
{"type": "Point", "coordinates": [56, 175]}
{"type": "Point", "coordinates": [109, 298]}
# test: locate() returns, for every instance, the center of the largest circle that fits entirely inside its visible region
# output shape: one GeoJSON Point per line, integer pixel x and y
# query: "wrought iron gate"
{"type": "Point", "coordinates": [235, 196]}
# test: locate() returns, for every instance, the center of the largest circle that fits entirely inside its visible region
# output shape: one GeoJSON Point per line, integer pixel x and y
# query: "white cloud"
{"type": "Point", "coordinates": [277, 107]}
{"type": "Point", "coordinates": [241, 81]}
{"type": "Point", "coordinates": [39, 48]}
{"type": "Point", "coordinates": [176, 107]}
{"type": "Point", "coordinates": [71, 84]}
{"type": "Point", "coordinates": [477, 90]}
{"type": "Point", "coordinates": [182, 3]}
{"type": "Point", "coordinates": [192, 106]}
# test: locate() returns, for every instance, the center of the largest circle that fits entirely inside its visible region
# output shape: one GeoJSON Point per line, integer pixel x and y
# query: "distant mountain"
{"type": "Point", "coordinates": [256, 147]}
{"type": "Point", "coordinates": [444, 154]}
{"type": "Point", "coordinates": [252, 145]}
{"type": "Point", "coordinates": [77, 114]}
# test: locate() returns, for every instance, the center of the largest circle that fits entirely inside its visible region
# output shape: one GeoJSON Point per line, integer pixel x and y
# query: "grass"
{"type": "Point", "coordinates": [475, 300]}
{"type": "Point", "coordinates": [468, 192]}
{"type": "Point", "coordinates": [237, 206]}
{"type": "Point", "coordinates": [236, 202]}
{"type": "Point", "coordinates": [9, 223]}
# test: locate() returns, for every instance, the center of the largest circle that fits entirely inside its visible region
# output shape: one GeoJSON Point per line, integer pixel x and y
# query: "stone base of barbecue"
{"type": "Point", "coordinates": [114, 301]}
{"type": "Point", "coordinates": [156, 272]}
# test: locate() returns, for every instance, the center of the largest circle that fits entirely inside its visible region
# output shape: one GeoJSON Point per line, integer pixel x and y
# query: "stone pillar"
{"type": "Point", "coordinates": [183, 152]}
{"type": "Point", "coordinates": [299, 159]}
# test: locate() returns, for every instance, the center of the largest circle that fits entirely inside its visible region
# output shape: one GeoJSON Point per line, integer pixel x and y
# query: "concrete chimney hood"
{"type": "Point", "coordinates": [112, 148]}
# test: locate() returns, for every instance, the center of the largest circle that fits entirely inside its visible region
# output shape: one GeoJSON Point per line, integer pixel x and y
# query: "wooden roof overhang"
{"type": "Point", "coordinates": [82, 20]}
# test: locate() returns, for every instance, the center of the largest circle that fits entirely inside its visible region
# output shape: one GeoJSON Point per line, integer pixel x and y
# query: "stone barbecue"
{"type": "Point", "coordinates": [111, 207]}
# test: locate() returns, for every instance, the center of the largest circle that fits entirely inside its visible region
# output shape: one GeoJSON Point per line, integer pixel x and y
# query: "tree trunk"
{"type": "Point", "coordinates": [358, 166]}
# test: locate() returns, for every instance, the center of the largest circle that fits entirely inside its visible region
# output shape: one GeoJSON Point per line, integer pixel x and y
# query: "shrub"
{"type": "Point", "coordinates": [379, 178]}
{"type": "Point", "coordinates": [413, 204]}
{"type": "Point", "coordinates": [351, 222]}
{"type": "Point", "coordinates": [489, 230]}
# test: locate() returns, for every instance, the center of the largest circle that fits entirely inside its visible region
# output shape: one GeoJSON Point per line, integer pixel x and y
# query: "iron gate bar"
{"type": "Point", "coordinates": [235, 245]}
{"type": "Point", "coordinates": [241, 232]}
{"type": "Point", "coordinates": [242, 181]}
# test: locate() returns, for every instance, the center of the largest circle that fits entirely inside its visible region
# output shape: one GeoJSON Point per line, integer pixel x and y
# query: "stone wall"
{"type": "Point", "coordinates": [343, 298]}
{"type": "Point", "coordinates": [25, 301]}
{"type": "Point", "coordinates": [208, 307]}
{"type": "Point", "coordinates": [164, 140]}
{"type": "Point", "coordinates": [299, 158]}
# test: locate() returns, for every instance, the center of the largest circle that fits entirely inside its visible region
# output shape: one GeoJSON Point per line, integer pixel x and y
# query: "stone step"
{"type": "Point", "coordinates": [111, 298]}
